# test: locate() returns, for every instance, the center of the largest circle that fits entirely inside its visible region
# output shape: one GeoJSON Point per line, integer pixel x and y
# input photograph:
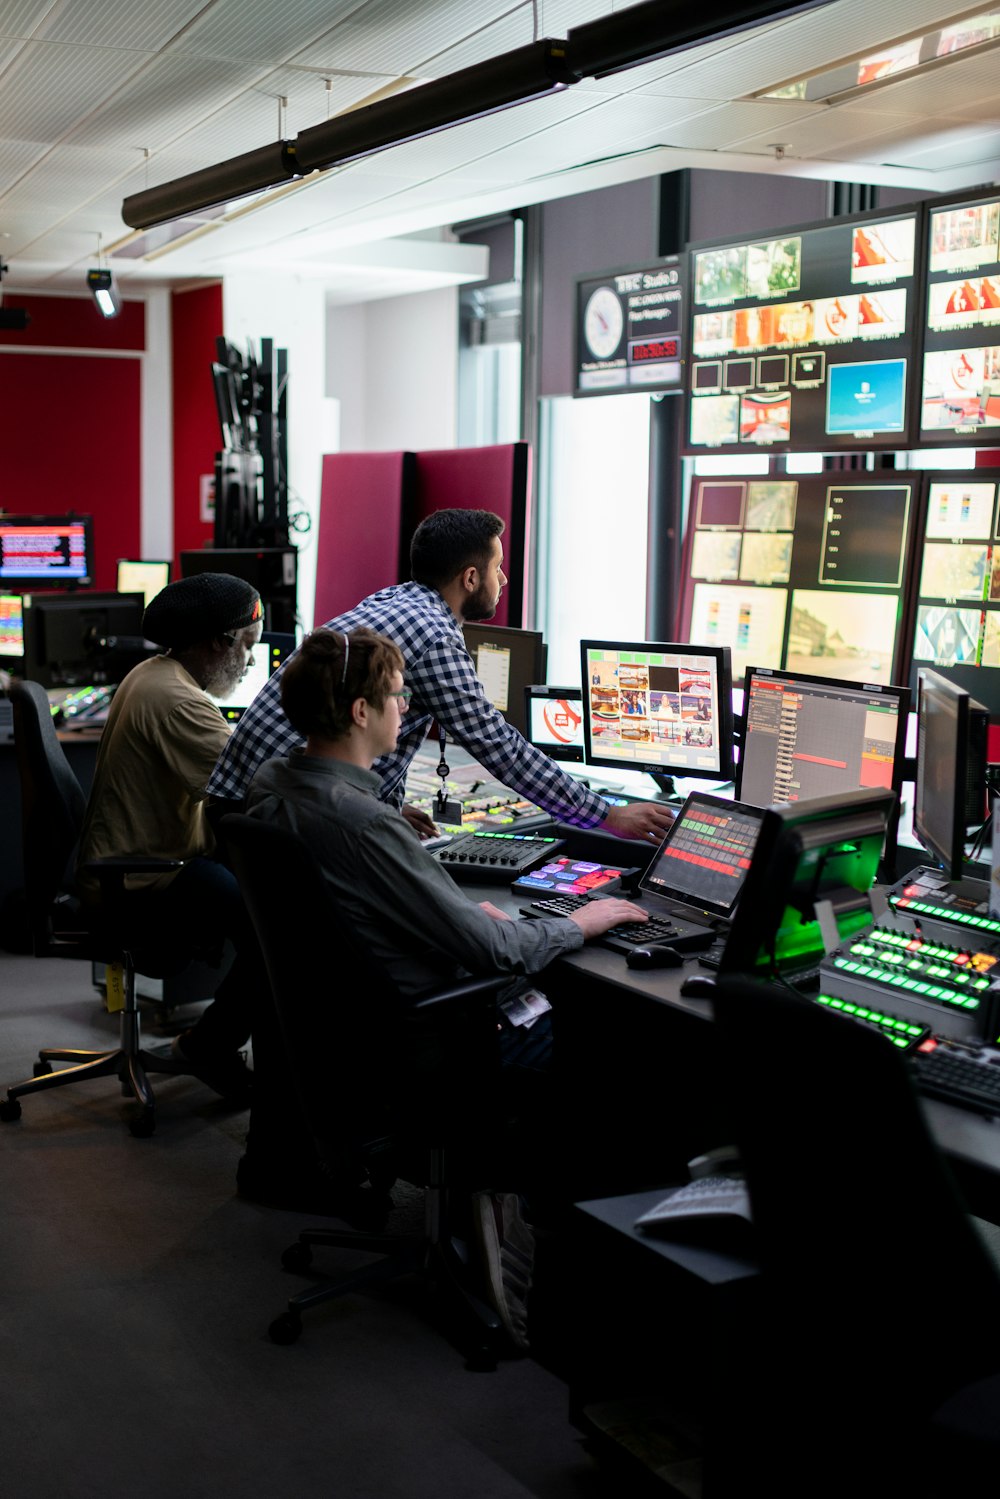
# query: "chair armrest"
{"type": "Point", "coordinates": [458, 996]}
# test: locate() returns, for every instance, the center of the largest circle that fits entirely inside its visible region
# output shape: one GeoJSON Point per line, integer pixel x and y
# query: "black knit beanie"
{"type": "Point", "coordinates": [195, 609]}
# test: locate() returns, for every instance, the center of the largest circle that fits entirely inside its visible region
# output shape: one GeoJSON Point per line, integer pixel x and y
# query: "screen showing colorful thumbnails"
{"type": "Point", "coordinates": [658, 708]}
{"type": "Point", "coordinates": [49, 550]}
{"type": "Point", "coordinates": [957, 621]}
{"type": "Point", "coordinates": [805, 574]}
{"type": "Point", "coordinates": [803, 342]}
{"type": "Point", "coordinates": [11, 626]}
{"type": "Point", "coordinates": [960, 400]}
{"type": "Point", "coordinates": [808, 737]}
{"type": "Point", "coordinates": [555, 721]}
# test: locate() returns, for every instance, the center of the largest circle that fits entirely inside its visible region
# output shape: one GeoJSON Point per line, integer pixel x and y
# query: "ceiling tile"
{"type": "Point", "coordinates": [49, 88]}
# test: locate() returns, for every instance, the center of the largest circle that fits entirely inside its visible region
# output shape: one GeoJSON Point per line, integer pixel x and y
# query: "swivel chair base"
{"type": "Point", "coordinates": [434, 1254]}
{"type": "Point", "coordinates": [129, 1062]}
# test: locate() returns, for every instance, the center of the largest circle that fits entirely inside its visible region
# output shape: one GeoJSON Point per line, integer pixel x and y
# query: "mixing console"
{"type": "Point", "coordinates": [942, 985]}
{"type": "Point", "coordinates": [485, 803]}
{"type": "Point", "coordinates": [495, 857]}
{"type": "Point", "coordinates": [949, 910]}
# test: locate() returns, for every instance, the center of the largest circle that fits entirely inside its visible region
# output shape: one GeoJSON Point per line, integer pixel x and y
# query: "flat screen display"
{"type": "Point", "coordinates": [51, 550]}
{"type": "Point", "coordinates": [147, 578]}
{"type": "Point", "coordinates": [507, 661]}
{"type": "Point", "coordinates": [630, 330]}
{"type": "Point", "coordinates": [555, 721]}
{"type": "Point", "coordinates": [960, 397]}
{"type": "Point", "coordinates": [660, 708]}
{"type": "Point", "coordinates": [811, 334]}
{"type": "Point", "coordinates": [11, 625]}
{"type": "Point", "coordinates": [805, 574]}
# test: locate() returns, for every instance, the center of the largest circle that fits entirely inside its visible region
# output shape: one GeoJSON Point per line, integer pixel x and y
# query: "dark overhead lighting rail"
{"type": "Point", "coordinates": [643, 33]}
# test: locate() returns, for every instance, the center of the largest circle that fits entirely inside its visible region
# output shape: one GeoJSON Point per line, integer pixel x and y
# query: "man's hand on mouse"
{"type": "Point", "coordinates": [648, 821]}
{"type": "Point", "coordinates": [599, 916]}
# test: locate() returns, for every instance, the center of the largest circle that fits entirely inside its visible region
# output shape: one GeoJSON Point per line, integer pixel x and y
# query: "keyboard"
{"type": "Point", "coordinates": [685, 936]}
{"type": "Point", "coordinates": [962, 1080]}
{"type": "Point", "coordinates": [555, 905]}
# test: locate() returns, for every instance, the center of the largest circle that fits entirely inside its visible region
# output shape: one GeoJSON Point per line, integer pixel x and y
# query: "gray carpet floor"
{"type": "Point", "coordinates": [135, 1293]}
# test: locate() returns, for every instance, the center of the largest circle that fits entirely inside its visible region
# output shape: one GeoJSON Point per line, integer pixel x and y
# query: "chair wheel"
{"type": "Point", "coordinates": [10, 1109]}
{"type": "Point", "coordinates": [143, 1125]}
{"type": "Point", "coordinates": [41, 1069]}
{"type": "Point", "coordinates": [297, 1258]}
{"type": "Point", "coordinates": [286, 1328]}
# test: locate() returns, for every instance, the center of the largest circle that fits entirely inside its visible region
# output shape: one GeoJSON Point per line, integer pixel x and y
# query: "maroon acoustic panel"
{"type": "Point", "coordinates": [494, 478]}
{"type": "Point", "coordinates": [361, 510]}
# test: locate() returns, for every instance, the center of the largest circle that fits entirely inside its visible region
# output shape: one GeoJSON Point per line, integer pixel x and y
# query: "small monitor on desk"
{"type": "Point", "coordinates": [83, 639]}
{"type": "Point", "coordinates": [951, 768]}
{"type": "Point", "coordinates": [11, 627]}
{"type": "Point", "coordinates": [147, 578]}
{"type": "Point", "coordinates": [662, 709]}
{"type": "Point", "coordinates": [810, 876]}
{"type": "Point", "coordinates": [555, 721]}
{"type": "Point", "coordinates": [506, 661]}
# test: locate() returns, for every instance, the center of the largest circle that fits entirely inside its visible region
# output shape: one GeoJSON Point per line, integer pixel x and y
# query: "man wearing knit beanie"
{"type": "Point", "coordinates": [162, 739]}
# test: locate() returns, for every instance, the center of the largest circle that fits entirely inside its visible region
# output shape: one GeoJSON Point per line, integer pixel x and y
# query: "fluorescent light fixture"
{"type": "Point", "coordinates": [222, 183]}
{"type": "Point", "coordinates": [105, 292]}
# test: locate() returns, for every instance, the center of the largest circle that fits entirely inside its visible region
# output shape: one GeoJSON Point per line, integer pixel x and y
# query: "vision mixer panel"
{"type": "Point", "coordinates": [486, 805]}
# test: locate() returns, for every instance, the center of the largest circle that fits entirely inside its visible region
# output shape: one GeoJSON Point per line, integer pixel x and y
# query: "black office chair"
{"type": "Point", "coordinates": [369, 1107]}
{"type": "Point", "coordinates": [52, 808]}
{"type": "Point", "coordinates": [877, 1353]}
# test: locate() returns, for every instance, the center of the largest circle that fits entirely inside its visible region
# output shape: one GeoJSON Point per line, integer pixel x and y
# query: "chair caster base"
{"type": "Point", "coordinates": [10, 1109]}
{"type": "Point", "coordinates": [297, 1258]}
{"type": "Point", "coordinates": [142, 1125]}
{"type": "Point", "coordinates": [41, 1069]}
{"type": "Point", "coordinates": [285, 1329]}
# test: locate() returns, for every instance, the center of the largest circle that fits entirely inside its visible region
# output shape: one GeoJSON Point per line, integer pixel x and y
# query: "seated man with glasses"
{"type": "Point", "coordinates": [344, 694]}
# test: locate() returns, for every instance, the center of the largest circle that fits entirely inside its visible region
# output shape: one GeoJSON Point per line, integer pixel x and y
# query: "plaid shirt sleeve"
{"type": "Point", "coordinates": [445, 685]}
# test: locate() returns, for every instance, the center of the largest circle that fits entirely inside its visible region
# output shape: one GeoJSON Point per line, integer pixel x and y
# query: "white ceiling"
{"type": "Point", "coordinates": [101, 98]}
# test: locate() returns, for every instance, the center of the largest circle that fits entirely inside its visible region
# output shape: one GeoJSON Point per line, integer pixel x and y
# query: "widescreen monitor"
{"type": "Point", "coordinates": [147, 578]}
{"type": "Point", "coordinates": [83, 639]}
{"type": "Point", "coordinates": [809, 880]}
{"type": "Point", "coordinates": [555, 720]}
{"type": "Point", "coordinates": [53, 551]}
{"type": "Point", "coordinates": [951, 768]}
{"type": "Point", "coordinates": [271, 651]}
{"type": "Point", "coordinates": [960, 398]}
{"type": "Point", "coordinates": [506, 661]}
{"type": "Point", "coordinates": [665, 709]}
{"type": "Point", "coordinates": [803, 341]}
{"type": "Point", "coordinates": [11, 626]}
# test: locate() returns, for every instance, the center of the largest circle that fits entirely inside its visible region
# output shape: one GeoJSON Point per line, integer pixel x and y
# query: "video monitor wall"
{"type": "Point", "coordinates": [802, 342]}
{"type": "Point", "coordinates": [956, 626]}
{"type": "Point", "coordinates": [801, 574]}
{"type": "Point", "coordinates": [960, 399]}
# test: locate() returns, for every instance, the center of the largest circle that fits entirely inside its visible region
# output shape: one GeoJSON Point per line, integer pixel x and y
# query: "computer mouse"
{"type": "Point", "coordinates": [658, 956]}
{"type": "Point", "coordinates": [698, 986]}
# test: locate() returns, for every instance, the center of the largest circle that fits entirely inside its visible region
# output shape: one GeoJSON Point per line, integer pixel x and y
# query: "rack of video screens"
{"type": "Point", "coordinates": [961, 322]}
{"type": "Point", "coordinates": [50, 551]}
{"type": "Point", "coordinates": [951, 769]}
{"type": "Point", "coordinates": [507, 660]}
{"type": "Point", "coordinates": [803, 342]}
{"type": "Point", "coordinates": [804, 574]}
{"type": "Point", "coordinates": [809, 880]}
{"type": "Point", "coordinates": [663, 709]}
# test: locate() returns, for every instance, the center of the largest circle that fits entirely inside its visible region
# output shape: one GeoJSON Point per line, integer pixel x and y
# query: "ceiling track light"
{"type": "Point", "coordinates": [642, 33]}
{"type": "Point", "coordinates": [101, 284]}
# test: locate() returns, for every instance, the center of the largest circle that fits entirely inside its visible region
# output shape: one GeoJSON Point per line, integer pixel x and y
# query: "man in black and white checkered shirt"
{"type": "Point", "coordinates": [456, 560]}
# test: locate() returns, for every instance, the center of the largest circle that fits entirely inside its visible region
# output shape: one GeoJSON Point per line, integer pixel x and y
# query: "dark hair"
{"type": "Point", "coordinates": [315, 692]}
{"type": "Point", "coordinates": [449, 541]}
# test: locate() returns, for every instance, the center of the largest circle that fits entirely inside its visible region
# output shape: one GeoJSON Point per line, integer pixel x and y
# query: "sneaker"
{"type": "Point", "coordinates": [226, 1073]}
{"type": "Point", "coordinates": [508, 1249]}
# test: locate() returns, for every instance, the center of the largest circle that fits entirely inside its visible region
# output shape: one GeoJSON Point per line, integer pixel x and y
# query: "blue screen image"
{"type": "Point", "coordinates": [866, 397]}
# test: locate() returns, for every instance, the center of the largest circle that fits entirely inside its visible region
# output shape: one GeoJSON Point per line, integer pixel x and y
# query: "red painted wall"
{"type": "Point", "coordinates": [72, 422]}
{"type": "Point", "coordinates": [195, 323]}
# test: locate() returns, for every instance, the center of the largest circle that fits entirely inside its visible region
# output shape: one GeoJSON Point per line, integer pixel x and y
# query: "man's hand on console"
{"type": "Point", "coordinates": [419, 821]}
{"type": "Point", "coordinates": [648, 821]}
{"type": "Point", "coordinates": [599, 916]}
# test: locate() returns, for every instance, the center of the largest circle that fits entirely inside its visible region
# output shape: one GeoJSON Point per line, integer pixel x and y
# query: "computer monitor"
{"type": "Point", "coordinates": [662, 709]}
{"type": "Point", "coordinates": [267, 657]}
{"type": "Point", "coordinates": [82, 639]}
{"type": "Point", "coordinates": [951, 768]}
{"type": "Point", "coordinates": [147, 578]}
{"type": "Point", "coordinates": [703, 860]}
{"type": "Point", "coordinates": [809, 880]}
{"type": "Point", "coordinates": [506, 661]}
{"type": "Point", "coordinates": [11, 627]}
{"type": "Point", "coordinates": [53, 550]}
{"type": "Point", "coordinates": [811, 736]}
{"type": "Point", "coordinates": [555, 720]}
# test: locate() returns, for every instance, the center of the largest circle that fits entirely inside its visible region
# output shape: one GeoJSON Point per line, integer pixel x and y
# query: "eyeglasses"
{"type": "Point", "coordinates": [404, 694]}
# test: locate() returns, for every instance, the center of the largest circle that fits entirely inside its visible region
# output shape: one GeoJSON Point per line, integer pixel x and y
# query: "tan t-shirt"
{"type": "Point", "coordinates": [160, 745]}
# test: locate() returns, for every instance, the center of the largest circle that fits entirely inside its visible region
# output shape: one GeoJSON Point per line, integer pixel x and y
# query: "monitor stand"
{"type": "Point", "coordinates": [664, 784]}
